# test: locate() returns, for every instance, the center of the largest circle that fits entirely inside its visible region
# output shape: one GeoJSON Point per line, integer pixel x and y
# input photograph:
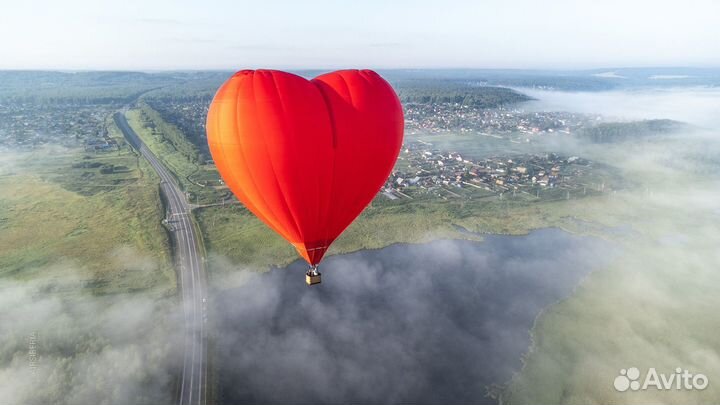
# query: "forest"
{"type": "Point", "coordinates": [635, 130]}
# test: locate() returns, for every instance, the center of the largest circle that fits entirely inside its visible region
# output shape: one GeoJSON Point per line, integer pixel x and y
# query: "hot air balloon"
{"type": "Point", "coordinates": [305, 156]}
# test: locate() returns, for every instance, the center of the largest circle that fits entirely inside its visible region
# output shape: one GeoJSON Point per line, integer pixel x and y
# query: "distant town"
{"type": "Point", "coordinates": [514, 123]}
{"type": "Point", "coordinates": [426, 171]}
{"type": "Point", "coordinates": [28, 126]}
{"type": "Point", "coordinates": [423, 170]}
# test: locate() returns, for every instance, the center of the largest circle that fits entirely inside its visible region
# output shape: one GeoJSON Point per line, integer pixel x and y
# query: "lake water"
{"type": "Point", "coordinates": [428, 323]}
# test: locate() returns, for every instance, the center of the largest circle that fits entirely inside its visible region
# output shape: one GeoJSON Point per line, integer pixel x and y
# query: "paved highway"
{"type": "Point", "coordinates": [190, 271]}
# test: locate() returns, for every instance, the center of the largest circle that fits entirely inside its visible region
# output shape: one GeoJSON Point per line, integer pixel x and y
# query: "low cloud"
{"type": "Point", "coordinates": [695, 105]}
{"type": "Point", "coordinates": [432, 323]}
{"type": "Point", "coordinates": [59, 345]}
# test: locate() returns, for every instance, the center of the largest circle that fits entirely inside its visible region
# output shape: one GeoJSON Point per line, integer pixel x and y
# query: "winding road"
{"type": "Point", "coordinates": [191, 274]}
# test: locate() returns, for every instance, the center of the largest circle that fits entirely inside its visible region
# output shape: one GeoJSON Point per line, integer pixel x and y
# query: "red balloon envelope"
{"type": "Point", "coordinates": [305, 156]}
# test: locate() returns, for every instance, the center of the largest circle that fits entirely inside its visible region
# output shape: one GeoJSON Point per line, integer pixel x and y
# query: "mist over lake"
{"type": "Point", "coordinates": [427, 323]}
{"type": "Point", "coordinates": [695, 105]}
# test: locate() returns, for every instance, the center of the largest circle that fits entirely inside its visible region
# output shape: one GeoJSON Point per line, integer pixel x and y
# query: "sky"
{"type": "Point", "coordinates": [232, 34]}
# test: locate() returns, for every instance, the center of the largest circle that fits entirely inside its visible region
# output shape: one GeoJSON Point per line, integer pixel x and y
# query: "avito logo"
{"type": "Point", "coordinates": [679, 380]}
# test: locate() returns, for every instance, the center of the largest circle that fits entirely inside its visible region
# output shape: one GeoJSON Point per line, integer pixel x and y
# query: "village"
{"type": "Point", "coordinates": [422, 169]}
{"type": "Point", "coordinates": [513, 123]}
{"type": "Point", "coordinates": [29, 126]}
{"type": "Point", "coordinates": [425, 171]}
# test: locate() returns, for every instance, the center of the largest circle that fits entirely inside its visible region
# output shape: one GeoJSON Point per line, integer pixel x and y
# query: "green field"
{"type": "Point", "coordinates": [233, 233]}
{"type": "Point", "coordinates": [478, 146]}
{"type": "Point", "coordinates": [62, 216]}
{"type": "Point", "coordinates": [237, 239]}
{"type": "Point", "coordinates": [86, 273]}
{"type": "Point", "coordinates": [168, 143]}
{"type": "Point", "coordinates": [655, 306]}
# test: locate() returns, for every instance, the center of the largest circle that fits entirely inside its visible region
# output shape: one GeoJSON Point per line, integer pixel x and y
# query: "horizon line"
{"type": "Point", "coordinates": [529, 69]}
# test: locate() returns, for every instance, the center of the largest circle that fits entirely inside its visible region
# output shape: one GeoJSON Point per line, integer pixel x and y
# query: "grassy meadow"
{"type": "Point", "coordinates": [655, 306]}
{"type": "Point", "coordinates": [62, 215]}
{"type": "Point", "coordinates": [171, 146]}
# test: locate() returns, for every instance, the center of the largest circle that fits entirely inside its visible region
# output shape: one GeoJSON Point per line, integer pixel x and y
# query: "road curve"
{"type": "Point", "coordinates": [190, 272]}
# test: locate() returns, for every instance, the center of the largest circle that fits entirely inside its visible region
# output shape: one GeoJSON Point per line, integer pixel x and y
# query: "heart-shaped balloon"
{"type": "Point", "coordinates": [305, 156]}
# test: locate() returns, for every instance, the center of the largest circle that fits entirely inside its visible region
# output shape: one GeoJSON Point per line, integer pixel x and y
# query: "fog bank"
{"type": "Point", "coordinates": [431, 323]}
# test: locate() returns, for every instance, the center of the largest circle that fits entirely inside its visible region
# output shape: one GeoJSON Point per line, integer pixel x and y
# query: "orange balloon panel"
{"type": "Point", "coordinates": [305, 156]}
